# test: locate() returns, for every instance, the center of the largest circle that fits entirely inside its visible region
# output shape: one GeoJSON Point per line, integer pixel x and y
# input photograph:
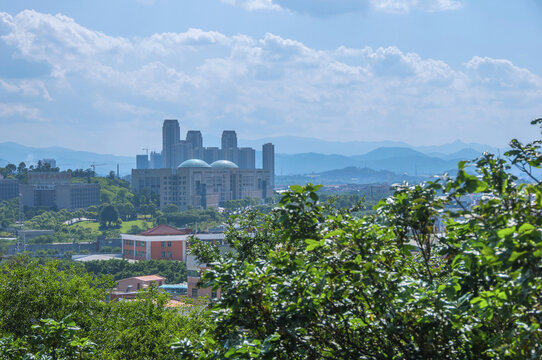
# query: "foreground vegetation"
{"type": "Point", "coordinates": [310, 281]}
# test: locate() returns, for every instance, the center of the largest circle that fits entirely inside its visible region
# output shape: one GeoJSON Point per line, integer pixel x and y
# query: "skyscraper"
{"type": "Point", "coordinates": [155, 160]}
{"type": "Point", "coordinates": [171, 135]}
{"type": "Point", "coordinates": [229, 139]}
{"type": "Point", "coordinates": [194, 137]}
{"type": "Point", "coordinates": [268, 161]}
{"type": "Point", "coordinates": [229, 146]}
{"type": "Point", "coordinates": [247, 158]}
{"type": "Point", "coordinates": [142, 161]}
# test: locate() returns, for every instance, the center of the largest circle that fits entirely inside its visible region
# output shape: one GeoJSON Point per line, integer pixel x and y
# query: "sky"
{"type": "Point", "coordinates": [102, 75]}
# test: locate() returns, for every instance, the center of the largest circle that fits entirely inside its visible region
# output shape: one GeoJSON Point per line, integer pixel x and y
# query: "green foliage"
{"type": "Point", "coordinates": [325, 284]}
{"type": "Point", "coordinates": [173, 271]}
{"type": "Point", "coordinates": [51, 340]}
{"type": "Point", "coordinates": [9, 212]}
{"type": "Point", "coordinates": [43, 304]}
{"type": "Point", "coordinates": [30, 291]}
{"type": "Point", "coordinates": [202, 218]}
{"type": "Point", "coordinates": [108, 214]}
{"type": "Point", "coordinates": [145, 328]}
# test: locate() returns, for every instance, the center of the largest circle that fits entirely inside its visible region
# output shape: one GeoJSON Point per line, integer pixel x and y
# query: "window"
{"type": "Point", "coordinates": [213, 295]}
{"type": "Point", "coordinates": [163, 254]}
{"type": "Point", "coordinates": [194, 292]}
{"type": "Point", "coordinates": [169, 244]}
{"type": "Point", "coordinates": [169, 254]}
{"type": "Point", "coordinates": [163, 244]}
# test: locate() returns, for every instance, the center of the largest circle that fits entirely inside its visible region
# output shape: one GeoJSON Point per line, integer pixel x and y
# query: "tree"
{"type": "Point", "coordinates": [327, 284]}
{"type": "Point", "coordinates": [30, 291]}
{"type": "Point", "coordinates": [108, 214]}
{"type": "Point", "coordinates": [171, 208]}
{"type": "Point", "coordinates": [11, 168]}
{"type": "Point", "coordinates": [21, 168]}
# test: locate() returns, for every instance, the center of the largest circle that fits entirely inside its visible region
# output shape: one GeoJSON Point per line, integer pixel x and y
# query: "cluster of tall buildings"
{"type": "Point", "coordinates": [191, 175]}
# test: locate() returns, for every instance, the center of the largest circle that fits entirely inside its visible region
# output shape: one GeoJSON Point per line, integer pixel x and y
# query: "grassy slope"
{"type": "Point", "coordinates": [125, 226]}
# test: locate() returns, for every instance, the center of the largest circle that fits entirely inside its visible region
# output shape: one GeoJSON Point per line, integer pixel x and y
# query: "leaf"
{"type": "Point", "coordinates": [516, 255]}
{"type": "Point", "coordinates": [313, 244]}
{"type": "Point", "coordinates": [506, 232]}
{"type": "Point", "coordinates": [525, 228]}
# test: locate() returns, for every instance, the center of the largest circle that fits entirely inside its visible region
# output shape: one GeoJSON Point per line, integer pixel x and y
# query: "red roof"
{"type": "Point", "coordinates": [164, 229]}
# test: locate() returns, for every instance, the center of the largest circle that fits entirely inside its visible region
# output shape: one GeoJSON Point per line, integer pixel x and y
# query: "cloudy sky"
{"type": "Point", "coordinates": [101, 75]}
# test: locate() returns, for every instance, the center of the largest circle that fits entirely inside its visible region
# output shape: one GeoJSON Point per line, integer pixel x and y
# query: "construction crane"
{"type": "Point", "coordinates": [93, 166]}
{"type": "Point", "coordinates": [146, 150]}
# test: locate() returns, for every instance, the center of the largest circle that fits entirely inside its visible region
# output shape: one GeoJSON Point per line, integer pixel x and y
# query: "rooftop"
{"type": "Point", "coordinates": [150, 278]}
{"type": "Point", "coordinates": [224, 164]}
{"type": "Point", "coordinates": [164, 229]}
{"type": "Point", "coordinates": [194, 163]}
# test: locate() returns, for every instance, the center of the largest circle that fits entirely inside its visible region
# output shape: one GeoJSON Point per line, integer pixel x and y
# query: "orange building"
{"type": "Point", "coordinates": [163, 242]}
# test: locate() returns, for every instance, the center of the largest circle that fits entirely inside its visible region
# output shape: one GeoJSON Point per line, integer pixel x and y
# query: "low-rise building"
{"type": "Point", "coordinates": [163, 242]}
{"type": "Point", "coordinates": [127, 288]}
{"type": "Point", "coordinates": [55, 189]}
{"type": "Point", "coordinates": [9, 189]}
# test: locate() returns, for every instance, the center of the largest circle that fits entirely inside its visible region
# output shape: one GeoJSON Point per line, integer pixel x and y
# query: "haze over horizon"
{"type": "Point", "coordinates": [101, 76]}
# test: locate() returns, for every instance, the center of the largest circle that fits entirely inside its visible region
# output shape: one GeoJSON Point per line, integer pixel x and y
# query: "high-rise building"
{"type": "Point", "coordinates": [268, 161]}
{"type": "Point", "coordinates": [156, 160]}
{"type": "Point", "coordinates": [171, 135]}
{"type": "Point", "coordinates": [211, 154]}
{"type": "Point", "coordinates": [142, 161]}
{"type": "Point", "coordinates": [183, 151]}
{"type": "Point", "coordinates": [194, 138]}
{"type": "Point", "coordinates": [247, 158]}
{"type": "Point", "coordinates": [229, 139]}
{"type": "Point", "coordinates": [230, 151]}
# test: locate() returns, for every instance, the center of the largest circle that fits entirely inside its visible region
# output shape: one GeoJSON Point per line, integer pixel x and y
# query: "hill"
{"type": "Point", "coordinates": [66, 158]}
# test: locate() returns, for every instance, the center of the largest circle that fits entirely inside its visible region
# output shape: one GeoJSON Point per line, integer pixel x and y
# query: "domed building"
{"type": "Point", "coordinates": [194, 163]}
{"type": "Point", "coordinates": [224, 164]}
{"type": "Point", "coordinates": [196, 184]}
{"type": "Point", "coordinates": [192, 175]}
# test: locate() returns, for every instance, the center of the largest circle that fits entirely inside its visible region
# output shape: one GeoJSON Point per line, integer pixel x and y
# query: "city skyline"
{"type": "Point", "coordinates": [420, 72]}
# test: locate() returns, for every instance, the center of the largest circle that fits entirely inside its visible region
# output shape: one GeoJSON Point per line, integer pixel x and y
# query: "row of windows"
{"type": "Point", "coordinates": [163, 254]}
{"type": "Point", "coordinates": [137, 243]}
{"type": "Point", "coordinates": [163, 244]}
{"type": "Point", "coordinates": [193, 273]}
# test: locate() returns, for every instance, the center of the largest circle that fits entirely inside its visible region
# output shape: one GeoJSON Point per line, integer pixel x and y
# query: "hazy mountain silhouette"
{"type": "Point", "coordinates": [66, 158]}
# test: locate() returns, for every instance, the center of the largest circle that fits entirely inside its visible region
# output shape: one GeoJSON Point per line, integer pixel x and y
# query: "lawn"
{"type": "Point", "coordinates": [125, 226]}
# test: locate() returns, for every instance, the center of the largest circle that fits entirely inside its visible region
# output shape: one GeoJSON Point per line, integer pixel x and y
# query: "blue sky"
{"type": "Point", "coordinates": [101, 75]}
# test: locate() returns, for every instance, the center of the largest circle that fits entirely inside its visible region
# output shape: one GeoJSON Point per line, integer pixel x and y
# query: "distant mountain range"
{"type": "Point", "coordinates": [400, 160]}
{"type": "Point", "coordinates": [404, 160]}
{"type": "Point", "coordinates": [349, 175]}
{"type": "Point", "coordinates": [65, 158]}
{"type": "Point", "coordinates": [297, 144]}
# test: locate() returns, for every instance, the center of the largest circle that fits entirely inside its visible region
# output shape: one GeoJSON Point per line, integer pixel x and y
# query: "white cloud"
{"type": "Point", "coordinates": [253, 4]}
{"type": "Point", "coordinates": [405, 6]}
{"type": "Point", "coordinates": [18, 111]}
{"type": "Point", "coordinates": [325, 8]}
{"type": "Point", "coordinates": [271, 85]}
{"type": "Point", "coordinates": [26, 87]}
{"type": "Point", "coordinates": [502, 72]}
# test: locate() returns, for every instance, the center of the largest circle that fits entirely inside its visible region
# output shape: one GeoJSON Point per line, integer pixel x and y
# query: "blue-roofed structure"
{"type": "Point", "coordinates": [224, 164]}
{"type": "Point", "coordinates": [175, 289]}
{"type": "Point", "coordinates": [194, 163]}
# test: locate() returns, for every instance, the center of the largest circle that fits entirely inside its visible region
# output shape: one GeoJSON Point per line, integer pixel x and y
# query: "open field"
{"type": "Point", "coordinates": [125, 226]}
